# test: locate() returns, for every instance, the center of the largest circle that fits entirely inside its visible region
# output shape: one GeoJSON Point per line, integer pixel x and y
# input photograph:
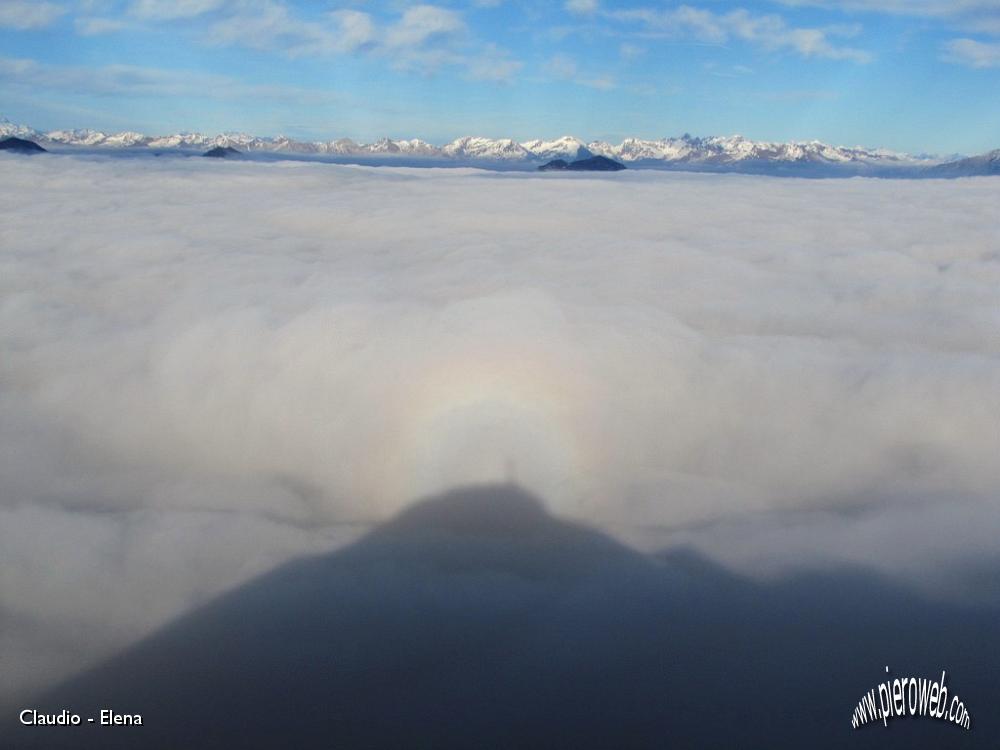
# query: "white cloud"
{"type": "Point", "coordinates": [420, 23]}
{"type": "Point", "coordinates": [356, 28]}
{"type": "Point", "coordinates": [27, 14]}
{"type": "Point", "coordinates": [769, 32]}
{"type": "Point", "coordinates": [424, 38]}
{"type": "Point", "coordinates": [272, 26]}
{"type": "Point", "coordinates": [703, 24]}
{"type": "Point", "coordinates": [972, 53]}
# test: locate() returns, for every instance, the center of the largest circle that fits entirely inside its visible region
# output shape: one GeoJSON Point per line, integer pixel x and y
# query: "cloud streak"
{"type": "Point", "coordinates": [766, 31]}
{"type": "Point", "coordinates": [971, 16]}
{"type": "Point", "coordinates": [138, 81]}
{"type": "Point", "coordinates": [902, 7]}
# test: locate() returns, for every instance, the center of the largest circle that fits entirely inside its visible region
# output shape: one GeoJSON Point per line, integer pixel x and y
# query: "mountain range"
{"type": "Point", "coordinates": [715, 153]}
{"type": "Point", "coordinates": [982, 165]}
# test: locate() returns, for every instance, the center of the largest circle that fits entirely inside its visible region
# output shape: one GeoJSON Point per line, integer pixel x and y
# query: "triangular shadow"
{"type": "Point", "coordinates": [477, 620]}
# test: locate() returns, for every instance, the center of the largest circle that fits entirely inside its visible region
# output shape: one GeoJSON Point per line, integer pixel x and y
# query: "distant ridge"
{"type": "Point", "coordinates": [985, 164]}
{"type": "Point", "coordinates": [686, 152]}
{"type": "Point", "coordinates": [591, 164]}
{"type": "Point", "coordinates": [20, 146]}
{"type": "Point", "coordinates": [222, 152]}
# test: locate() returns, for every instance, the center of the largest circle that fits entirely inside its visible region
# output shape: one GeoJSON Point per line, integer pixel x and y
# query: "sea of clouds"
{"type": "Point", "coordinates": [207, 368]}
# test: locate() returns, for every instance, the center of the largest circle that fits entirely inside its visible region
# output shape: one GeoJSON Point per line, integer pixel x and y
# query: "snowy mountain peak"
{"type": "Point", "coordinates": [477, 147]}
{"type": "Point", "coordinates": [567, 147]}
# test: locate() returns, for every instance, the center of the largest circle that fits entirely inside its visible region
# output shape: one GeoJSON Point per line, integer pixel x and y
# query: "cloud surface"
{"type": "Point", "coordinates": [207, 368]}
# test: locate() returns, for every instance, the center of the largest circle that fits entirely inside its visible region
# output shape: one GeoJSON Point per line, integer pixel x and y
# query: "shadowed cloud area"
{"type": "Point", "coordinates": [477, 619]}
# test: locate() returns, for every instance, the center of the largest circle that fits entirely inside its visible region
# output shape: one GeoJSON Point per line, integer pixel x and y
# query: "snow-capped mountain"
{"type": "Point", "coordinates": [412, 147]}
{"type": "Point", "coordinates": [729, 150]}
{"type": "Point", "coordinates": [567, 147]}
{"type": "Point", "coordinates": [734, 153]}
{"type": "Point", "coordinates": [477, 147]}
{"type": "Point", "coordinates": [9, 129]}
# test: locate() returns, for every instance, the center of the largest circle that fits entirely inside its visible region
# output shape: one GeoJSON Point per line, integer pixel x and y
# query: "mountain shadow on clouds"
{"type": "Point", "coordinates": [477, 620]}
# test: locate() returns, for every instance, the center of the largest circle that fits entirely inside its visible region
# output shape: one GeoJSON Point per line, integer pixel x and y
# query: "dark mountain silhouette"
{"type": "Point", "coordinates": [556, 165]}
{"type": "Point", "coordinates": [21, 146]}
{"type": "Point", "coordinates": [591, 164]}
{"type": "Point", "coordinates": [984, 164]}
{"type": "Point", "coordinates": [477, 620]}
{"type": "Point", "coordinates": [223, 152]}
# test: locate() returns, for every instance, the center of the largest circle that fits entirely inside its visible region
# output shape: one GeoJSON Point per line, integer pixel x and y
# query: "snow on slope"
{"type": "Point", "coordinates": [567, 147]}
{"type": "Point", "coordinates": [477, 147]}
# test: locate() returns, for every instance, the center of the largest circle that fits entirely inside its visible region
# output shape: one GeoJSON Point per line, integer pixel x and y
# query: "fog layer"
{"type": "Point", "coordinates": [207, 368]}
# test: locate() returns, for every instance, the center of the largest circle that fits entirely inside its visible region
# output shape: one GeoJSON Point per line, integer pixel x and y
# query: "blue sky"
{"type": "Point", "coordinates": [915, 75]}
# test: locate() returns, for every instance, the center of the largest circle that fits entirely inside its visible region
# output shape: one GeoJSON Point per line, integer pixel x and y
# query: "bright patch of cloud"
{"type": "Point", "coordinates": [356, 28]}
